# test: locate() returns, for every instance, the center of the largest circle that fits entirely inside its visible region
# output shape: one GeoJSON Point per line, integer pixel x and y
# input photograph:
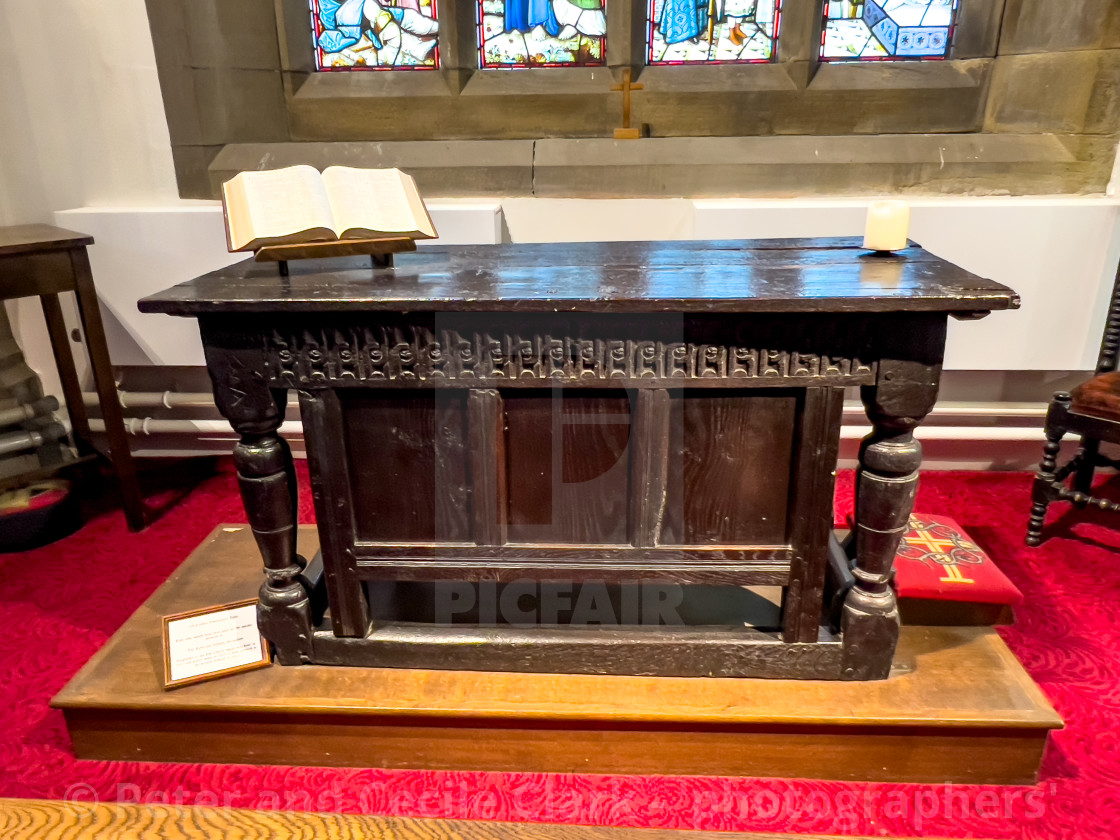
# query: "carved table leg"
{"type": "Point", "coordinates": [1042, 492]}
{"type": "Point", "coordinates": [266, 476]}
{"type": "Point", "coordinates": [264, 465]}
{"type": "Point", "coordinates": [886, 483]}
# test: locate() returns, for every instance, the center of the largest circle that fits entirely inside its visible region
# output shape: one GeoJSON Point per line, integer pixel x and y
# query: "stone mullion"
{"type": "Point", "coordinates": [799, 36]}
{"type": "Point", "coordinates": [458, 38]}
{"type": "Point", "coordinates": [626, 33]}
{"type": "Point", "coordinates": [293, 21]}
{"type": "Point", "coordinates": [978, 29]}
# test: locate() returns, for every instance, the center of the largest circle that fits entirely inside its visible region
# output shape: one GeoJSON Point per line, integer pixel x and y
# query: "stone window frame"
{"type": "Point", "coordinates": [240, 92]}
{"type": "Point", "coordinates": [459, 101]}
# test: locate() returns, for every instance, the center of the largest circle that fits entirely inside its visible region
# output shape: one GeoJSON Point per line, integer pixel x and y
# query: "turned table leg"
{"type": "Point", "coordinates": [266, 476]}
{"type": "Point", "coordinates": [264, 471]}
{"type": "Point", "coordinates": [886, 483]}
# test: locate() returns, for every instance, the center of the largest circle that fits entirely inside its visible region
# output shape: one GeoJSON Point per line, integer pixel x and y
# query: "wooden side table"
{"type": "Point", "coordinates": [44, 260]}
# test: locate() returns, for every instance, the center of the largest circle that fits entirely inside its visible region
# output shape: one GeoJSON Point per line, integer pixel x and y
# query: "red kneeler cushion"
{"type": "Point", "coordinates": [943, 577]}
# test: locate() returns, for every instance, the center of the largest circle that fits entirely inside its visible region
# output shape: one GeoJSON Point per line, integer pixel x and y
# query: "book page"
{"type": "Point", "coordinates": [419, 209]}
{"type": "Point", "coordinates": [280, 202]}
{"type": "Point", "coordinates": [236, 207]}
{"type": "Point", "coordinates": [375, 200]}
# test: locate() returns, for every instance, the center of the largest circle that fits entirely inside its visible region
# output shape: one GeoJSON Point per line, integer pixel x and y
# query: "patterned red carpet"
{"type": "Point", "coordinates": [62, 602]}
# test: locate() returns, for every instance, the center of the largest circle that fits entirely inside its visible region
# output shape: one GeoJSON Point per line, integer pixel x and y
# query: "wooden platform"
{"type": "Point", "coordinates": [958, 707]}
{"type": "Point", "coordinates": [40, 819]}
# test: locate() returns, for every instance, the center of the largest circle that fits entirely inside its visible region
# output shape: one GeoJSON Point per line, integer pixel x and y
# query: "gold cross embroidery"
{"type": "Point", "coordinates": [922, 538]}
{"type": "Point", "coordinates": [955, 575]}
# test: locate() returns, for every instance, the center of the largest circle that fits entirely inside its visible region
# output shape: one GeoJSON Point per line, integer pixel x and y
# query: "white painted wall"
{"type": "Point", "coordinates": [81, 123]}
{"type": "Point", "coordinates": [81, 117]}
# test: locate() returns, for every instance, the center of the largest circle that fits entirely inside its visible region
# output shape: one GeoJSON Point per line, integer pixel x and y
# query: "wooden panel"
{"type": "Point", "coordinates": [818, 444]}
{"type": "Point", "coordinates": [933, 754]}
{"type": "Point", "coordinates": [35, 819]}
{"type": "Point", "coordinates": [488, 466]}
{"type": "Point", "coordinates": [321, 414]}
{"type": "Point", "coordinates": [23, 275]}
{"type": "Point", "coordinates": [568, 467]}
{"type": "Point", "coordinates": [553, 604]}
{"type": "Point", "coordinates": [649, 464]}
{"type": "Point", "coordinates": [408, 466]}
{"type": "Point", "coordinates": [729, 467]}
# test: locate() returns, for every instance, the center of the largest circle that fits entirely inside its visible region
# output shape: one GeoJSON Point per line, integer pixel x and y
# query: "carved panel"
{"type": "Point", "coordinates": [403, 354]}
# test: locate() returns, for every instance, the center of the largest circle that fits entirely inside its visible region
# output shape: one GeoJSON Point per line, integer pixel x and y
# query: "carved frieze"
{"type": "Point", "coordinates": [338, 356]}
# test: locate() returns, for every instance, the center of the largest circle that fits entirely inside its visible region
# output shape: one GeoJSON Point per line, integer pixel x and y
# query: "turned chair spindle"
{"type": "Point", "coordinates": [1091, 410]}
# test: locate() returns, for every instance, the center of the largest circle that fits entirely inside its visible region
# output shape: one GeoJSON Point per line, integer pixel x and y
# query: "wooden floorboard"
{"type": "Point", "coordinates": [955, 693]}
{"type": "Point", "coordinates": [37, 819]}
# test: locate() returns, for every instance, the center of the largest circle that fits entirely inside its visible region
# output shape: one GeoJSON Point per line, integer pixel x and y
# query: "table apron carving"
{"type": "Point", "coordinates": [452, 350]}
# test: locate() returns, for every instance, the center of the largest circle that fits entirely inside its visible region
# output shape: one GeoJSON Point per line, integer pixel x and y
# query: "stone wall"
{"type": "Point", "coordinates": [1027, 105]}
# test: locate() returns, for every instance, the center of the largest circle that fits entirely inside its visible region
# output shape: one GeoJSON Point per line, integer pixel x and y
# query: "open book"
{"type": "Point", "coordinates": [297, 204]}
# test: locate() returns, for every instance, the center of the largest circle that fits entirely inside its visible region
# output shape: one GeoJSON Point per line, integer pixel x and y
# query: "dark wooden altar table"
{"type": "Point", "coordinates": [627, 417]}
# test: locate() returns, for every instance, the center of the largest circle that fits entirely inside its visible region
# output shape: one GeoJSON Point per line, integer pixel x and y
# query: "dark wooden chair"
{"type": "Point", "coordinates": [1091, 410]}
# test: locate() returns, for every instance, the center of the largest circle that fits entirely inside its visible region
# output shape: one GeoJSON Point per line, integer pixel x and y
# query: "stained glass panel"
{"type": "Point", "coordinates": [711, 31]}
{"type": "Point", "coordinates": [375, 34]}
{"type": "Point", "coordinates": [868, 30]}
{"type": "Point", "coordinates": [541, 33]}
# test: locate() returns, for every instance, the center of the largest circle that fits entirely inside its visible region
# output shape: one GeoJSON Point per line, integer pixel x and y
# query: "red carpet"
{"type": "Point", "coordinates": [62, 602]}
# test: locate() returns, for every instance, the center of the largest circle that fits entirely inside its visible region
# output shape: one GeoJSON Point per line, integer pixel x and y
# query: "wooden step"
{"type": "Point", "coordinates": [958, 707]}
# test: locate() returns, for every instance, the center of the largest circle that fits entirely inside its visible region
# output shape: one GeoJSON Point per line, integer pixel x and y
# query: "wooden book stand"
{"type": "Point", "coordinates": [380, 251]}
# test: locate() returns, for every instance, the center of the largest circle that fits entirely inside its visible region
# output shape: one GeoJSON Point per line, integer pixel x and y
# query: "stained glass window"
{"type": "Point", "coordinates": [541, 33]}
{"type": "Point", "coordinates": [375, 34]}
{"type": "Point", "coordinates": [711, 31]}
{"type": "Point", "coordinates": [887, 29]}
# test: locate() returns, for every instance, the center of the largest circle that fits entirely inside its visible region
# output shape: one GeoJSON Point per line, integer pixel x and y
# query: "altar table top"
{"type": "Point", "coordinates": [776, 275]}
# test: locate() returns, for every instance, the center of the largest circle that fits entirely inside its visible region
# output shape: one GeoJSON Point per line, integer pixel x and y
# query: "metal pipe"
{"type": "Point", "coordinates": [207, 428]}
{"type": "Point", "coordinates": [19, 441]}
{"type": "Point", "coordinates": [203, 428]}
{"type": "Point", "coordinates": [37, 408]}
{"type": "Point", "coordinates": [965, 410]}
{"type": "Point", "coordinates": [157, 399]}
{"type": "Point", "coordinates": [852, 410]}
{"type": "Point", "coordinates": [977, 433]}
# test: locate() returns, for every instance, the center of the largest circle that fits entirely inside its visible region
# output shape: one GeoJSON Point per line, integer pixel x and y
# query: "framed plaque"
{"type": "Point", "coordinates": [212, 642]}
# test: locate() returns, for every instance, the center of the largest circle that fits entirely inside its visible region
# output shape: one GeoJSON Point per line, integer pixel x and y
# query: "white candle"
{"type": "Point", "coordinates": [888, 226]}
